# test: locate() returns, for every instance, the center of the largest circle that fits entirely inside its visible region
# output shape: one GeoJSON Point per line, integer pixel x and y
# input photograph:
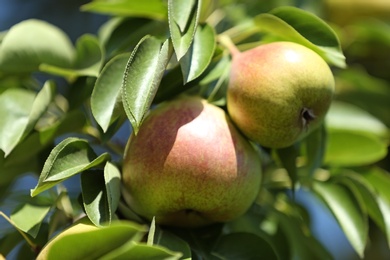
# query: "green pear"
{"type": "Point", "coordinates": [278, 92]}
{"type": "Point", "coordinates": [189, 166]}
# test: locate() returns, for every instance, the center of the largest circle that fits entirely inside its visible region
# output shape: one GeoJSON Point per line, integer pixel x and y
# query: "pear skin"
{"type": "Point", "coordinates": [278, 92]}
{"type": "Point", "coordinates": [189, 166]}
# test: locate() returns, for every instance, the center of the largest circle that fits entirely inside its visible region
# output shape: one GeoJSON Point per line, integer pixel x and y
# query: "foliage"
{"type": "Point", "coordinates": [151, 51]}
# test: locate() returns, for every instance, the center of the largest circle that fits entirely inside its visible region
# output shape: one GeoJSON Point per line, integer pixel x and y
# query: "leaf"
{"type": "Point", "coordinates": [31, 43]}
{"type": "Point", "coordinates": [95, 197]}
{"type": "Point", "coordinates": [28, 217]}
{"type": "Point", "coordinates": [112, 179]}
{"type": "Point", "coordinates": [15, 107]}
{"type": "Point", "coordinates": [371, 202]}
{"type": "Point", "coordinates": [162, 237]}
{"type": "Point", "coordinates": [71, 156]}
{"type": "Point", "coordinates": [288, 157]}
{"type": "Point", "coordinates": [89, 59]}
{"type": "Point", "coordinates": [315, 149]}
{"type": "Point", "coordinates": [107, 91]}
{"type": "Point", "coordinates": [133, 250]}
{"type": "Point", "coordinates": [351, 148]}
{"type": "Point", "coordinates": [199, 55]}
{"type": "Point", "coordinates": [296, 25]}
{"type": "Point", "coordinates": [154, 9]}
{"type": "Point", "coordinates": [94, 244]}
{"type": "Point", "coordinates": [243, 246]}
{"type": "Point", "coordinates": [142, 77]}
{"type": "Point", "coordinates": [349, 117]}
{"type": "Point", "coordinates": [183, 20]}
{"type": "Point", "coordinates": [347, 212]}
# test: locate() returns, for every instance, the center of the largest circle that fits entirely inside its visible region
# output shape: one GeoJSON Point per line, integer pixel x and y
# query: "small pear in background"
{"type": "Point", "coordinates": [278, 92]}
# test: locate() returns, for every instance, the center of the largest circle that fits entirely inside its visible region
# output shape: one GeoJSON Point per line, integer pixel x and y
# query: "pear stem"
{"type": "Point", "coordinates": [228, 43]}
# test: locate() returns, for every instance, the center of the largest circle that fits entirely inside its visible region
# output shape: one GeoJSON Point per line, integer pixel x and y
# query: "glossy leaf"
{"type": "Point", "coordinates": [250, 246]}
{"type": "Point", "coordinates": [154, 9]}
{"type": "Point", "coordinates": [88, 60]}
{"type": "Point", "coordinates": [183, 20]}
{"type": "Point", "coordinates": [142, 77]}
{"type": "Point", "coordinates": [28, 217]}
{"type": "Point", "coordinates": [112, 179]}
{"type": "Point", "coordinates": [199, 55]}
{"type": "Point", "coordinates": [95, 197]}
{"type": "Point", "coordinates": [93, 244]}
{"type": "Point", "coordinates": [296, 25]}
{"type": "Point", "coordinates": [15, 108]}
{"type": "Point", "coordinates": [107, 91]}
{"type": "Point", "coordinates": [133, 250]}
{"type": "Point", "coordinates": [351, 148]}
{"type": "Point", "coordinates": [349, 117]}
{"type": "Point", "coordinates": [71, 156]}
{"type": "Point", "coordinates": [30, 43]}
{"type": "Point", "coordinates": [162, 237]}
{"type": "Point", "coordinates": [371, 202]}
{"type": "Point", "coordinates": [347, 212]}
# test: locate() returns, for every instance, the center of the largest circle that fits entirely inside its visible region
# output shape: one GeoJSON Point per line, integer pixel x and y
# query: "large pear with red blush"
{"type": "Point", "coordinates": [189, 166]}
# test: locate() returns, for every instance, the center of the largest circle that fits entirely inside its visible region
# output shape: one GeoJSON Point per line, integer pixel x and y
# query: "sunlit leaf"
{"type": "Point", "coordinates": [15, 108]}
{"type": "Point", "coordinates": [93, 244]}
{"type": "Point", "coordinates": [112, 179]}
{"type": "Point", "coordinates": [107, 91]}
{"type": "Point", "coordinates": [288, 157]}
{"type": "Point", "coordinates": [199, 55]}
{"type": "Point", "coordinates": [347, 212]}
{"type": "Point", "coordinates": [88, 60]}
{"type": "Point", "coordinates": [183, 20]}
{"type": "Point", "coordinates": [155, 9]}
{"type": "Point", "coordinates": [142, 77]}
{"type": "Point", "coordinates": [294, 24]}
{"type": "Point", "coordinates": [71, 156]}
{"type": "Point", "coordinates": [28, 217]}
{"type": "Point", "coordinates": [31, 43]}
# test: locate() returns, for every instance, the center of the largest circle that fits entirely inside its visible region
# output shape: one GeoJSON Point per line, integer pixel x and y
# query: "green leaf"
{"type": "Point", "coordinates": [154, 9]}
{"type": "Point", "coordinates": [71, 156]}
{"type": "Point", "coordinates": [199, 55]}
{"type": "Point", "coordinates": [15, 107]}
{"type": "Point", "coordinates": [296, 25]}
{"type": "Point", "coordinates": [158, 236]}
{"type": "Point", "coordinates": [345, 116]}
{"type": "Point", "coordinates": [95, 197]}
{"type": "Point", "coordinates": [315, 144]}
{"type": "Point", "coordinates": [28, 217]}
{"type": "Point", "coordinates": [107, 91]}
{"type": "Point", "coordinates": [133, 250]}
{"type": "Point", "coordinates": [370, 201]}
{"type": "Point", "coordinates": [347, 212]}
{"type": "Point", "coordinates": [89, 59]}
{"type": "Point", "coordinates": [94, 244]}
{"type": "Point", "coordinates": [33, 42]}
{"type": "Point", "coordinates": [112, 179]}
{"type": "Point", "coordinates": [106, 103]}
{"type": "Point", "coordinates": [183, 19]}
{"type": "Point", "coordinates": [288, 157]}
{"type": "Point", "coordinates": [243, 246]}
{"type": "Point", "coordinates": [351, 148]}
{"type": "Point", "coordinates": [142, 77]}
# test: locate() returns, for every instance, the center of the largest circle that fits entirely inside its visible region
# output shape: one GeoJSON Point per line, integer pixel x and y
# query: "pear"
{"type": "Point", "coordinates": [278, 92]}
{"type": "Point", "coordinates": [189, 166]}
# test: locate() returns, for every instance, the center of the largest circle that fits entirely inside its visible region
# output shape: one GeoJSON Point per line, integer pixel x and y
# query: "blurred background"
{"type": "Point", "coordinates": [363, 27]}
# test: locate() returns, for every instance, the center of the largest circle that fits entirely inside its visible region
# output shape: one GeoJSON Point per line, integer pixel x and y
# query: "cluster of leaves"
{"type": "Point", "coordinates": [148, 52]}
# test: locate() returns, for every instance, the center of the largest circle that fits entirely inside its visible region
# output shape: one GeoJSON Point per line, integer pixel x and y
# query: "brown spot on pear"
{"type": "Point", "coordinates": [189, 166]}
{"type": "Point", "coordinates": [278, 92]}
